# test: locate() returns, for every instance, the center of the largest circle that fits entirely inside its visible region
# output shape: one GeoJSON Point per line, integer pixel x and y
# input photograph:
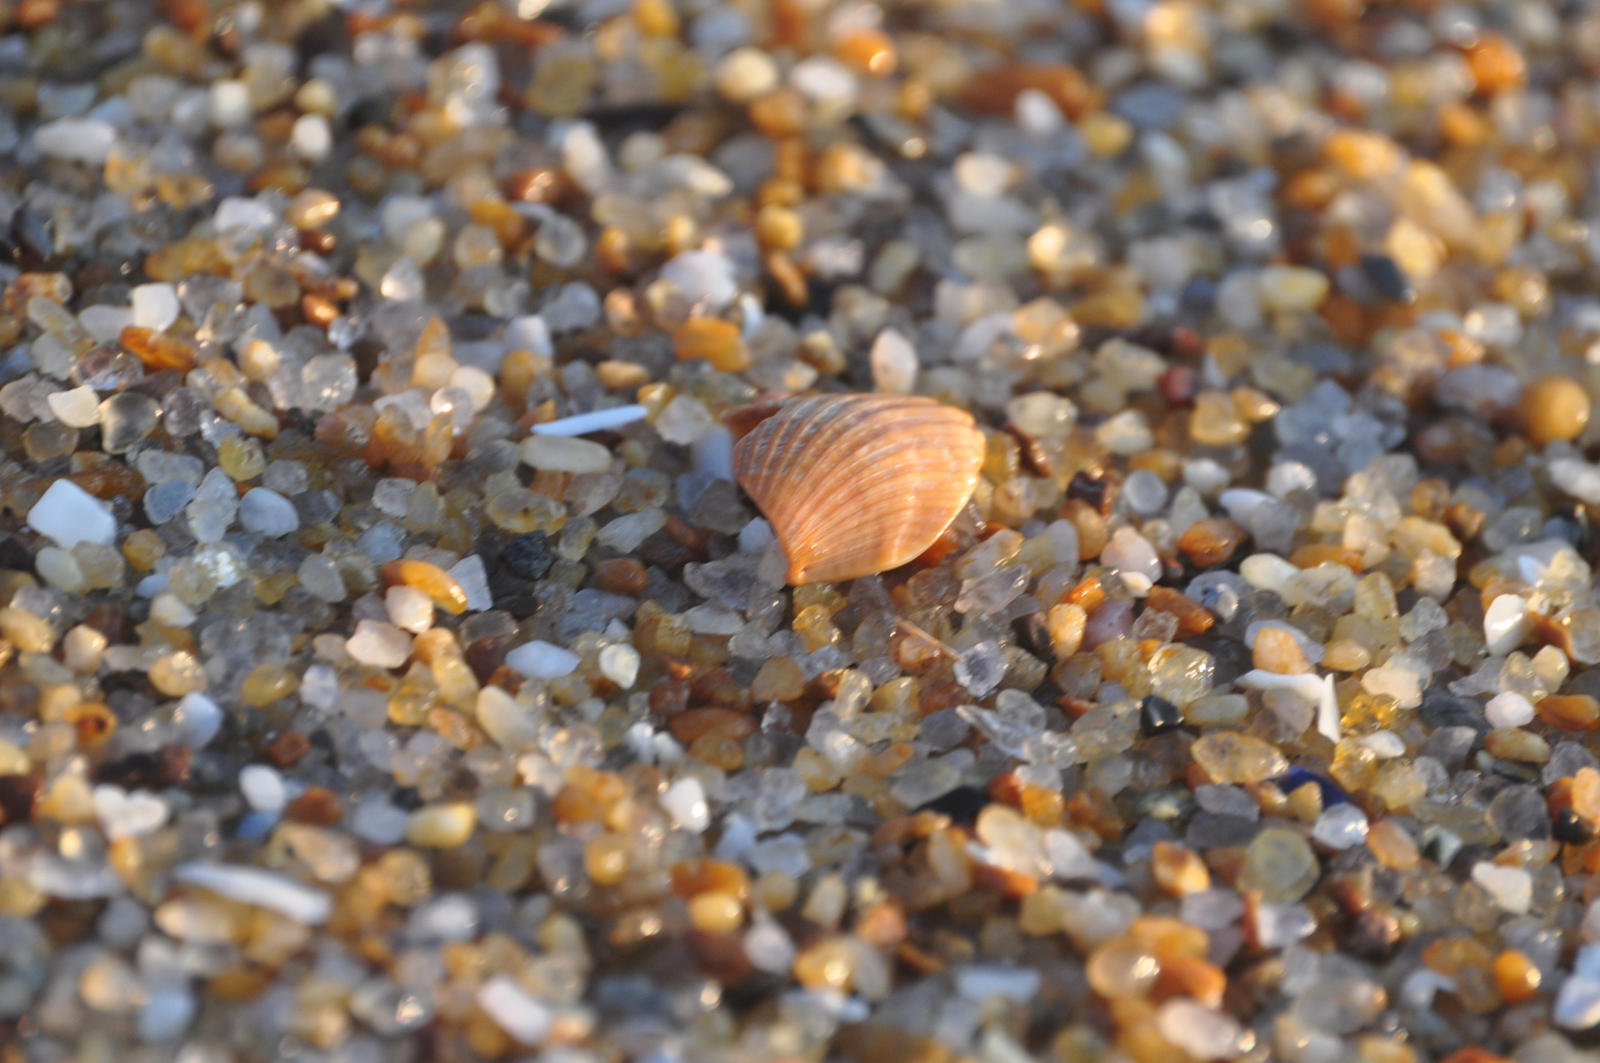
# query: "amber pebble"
{"type": "Point", "coordinates": [1570, 712]}
{"type": "Point", "coordinates": [995, 90]}
{"type": "Point", "coordinates": [431, 580]}
{"type": "Point", "coordinates": [1516, 976]}
{"type": "Point", "coordinates": [1193, 618]}
{"type": "Point", "coordinates": [713, 339]}
{"type": "Point", "coordinates": [868, 50]}
{"type": "Point", "coordinates": [687, 726]}
{"type": "Point", "coordinates": [705, 875]}
{"type": "Point", "coordinates": [1496, 64]}
{"type": "Point", "coordinates": [1122, 967]}
{"type": "Point", "coordinates": [1178, 869]}
{"type": "Point", "coordinates": [1554, 408]}
{"type": "Point", "coordinates": [1475, 1054]}
{"type": "Point", "coordinates": [156, 351]}
{"type": "Point", "coordinates": [1393, 845]}
{"type": "Point", "coordinates": [1211, 541]}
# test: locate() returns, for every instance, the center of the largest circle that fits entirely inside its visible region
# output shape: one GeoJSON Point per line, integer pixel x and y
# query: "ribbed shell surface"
{"type": "Point", "coordinates": [858, 484]}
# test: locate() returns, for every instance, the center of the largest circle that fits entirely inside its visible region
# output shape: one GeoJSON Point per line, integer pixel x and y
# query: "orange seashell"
{"type": "Point", "coordinates": [858, 484]}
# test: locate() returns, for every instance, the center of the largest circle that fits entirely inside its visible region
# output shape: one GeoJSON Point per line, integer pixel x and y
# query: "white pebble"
{"type": "Point", "coordinates": [263, 788]}
{"type": "Point", "coordinates": [70, 515]}
{"type": "Point", "coordinates": [409, 608]}
{"type": "Point", "coordinates": [379, 644]}
{"type": "Point", "coordinates": [311, 137]}
{"type": "Point", "coordinates": [265, 889]}
{"type": "Point", "coordinates": [230, 103]}
{"type": "Point", "coordinates": [894, 363]}
{"type": "Point", "coordinates": [85, 140]}
{"type": "Point", "coordinates": [155, 306]}
{"type": "Point", "coordinates": [745, 74]}
{"type": "Point", "coordinates": [1576, 477]}
{"type": "Point", "coordinates": [619, 663]}
{"type": "Point", "coordinates": [128, 815]}
{"type": "Point", "coordinates": [565, 454]}
{"type": "Point", "coordinates": [1508, 709]}
{"type": "Point", "coordinates": [77, 408]}
{"type": "Point", "coordinates": [1511, 887]}
{"type": "Point", "coordinates": [1198, 1030]}
{"type": "Point", "coordinates": [542, 660]}
{"type": "Point", "coordinates": [526, 1019]}
{"type": "Point", "coordinates": [265, 512]}
{"type": "Point", "coordinates": [1505, 624]}
{"type": "Point", "coordinates": [685, 802]}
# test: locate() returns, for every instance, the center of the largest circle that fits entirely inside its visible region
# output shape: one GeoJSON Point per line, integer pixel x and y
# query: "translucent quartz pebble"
{"type": "Point", "coordinates": [70, 515]}
{"type": "Point", "coordinates": [981, 668]}
{"type": "Point", "coordinates": [268, 513]}
{"type": "Point", "coordinates": [702, 277]}
{"type": "Point", "coordinates": [1340, 827]}
{"type": "Point", "coordinates": [542, 660]}
{"type": "Point", "coordinates": [596, 421]}
{"type": "Point", "coordinates": [265, 889]}
{"type": "Point", "coordinates": [1576, 477]}
{"type": "Point", "coordinates": [514, 1010]}
{"type": "Point", "coordinates": [215, 504]}
{"type": "Point", "coordinates": [85, 140]}
{"type": "Point", "coordinates": [473, 579]}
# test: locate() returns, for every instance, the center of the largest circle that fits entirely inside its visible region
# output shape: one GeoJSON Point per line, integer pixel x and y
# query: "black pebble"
{"type": "Point", "coordinates": [1086, 488]}
{"type": "Point", "coordinates": [1157, 716]}
{"type": "Point", "coordinates": [528, 556]}
{"type": "Point", "coordinates": [1569, 827]}
{"type": "Point", "coordinates": [961, 804]}
{"type": "Point", "coordinates": [1387, 279]}
{"type": "Point", "coordinates": [31, 237]}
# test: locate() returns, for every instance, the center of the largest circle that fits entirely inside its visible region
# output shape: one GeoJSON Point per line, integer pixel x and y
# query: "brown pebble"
{"type": "Point", "coordinates": [620, 576]}
{"type": "Point", "coordinates": [287, 749]}
{"type": "Point", "coordinates": [317, 806]}
{"type": "Point", "coordinates": [1212, 541]}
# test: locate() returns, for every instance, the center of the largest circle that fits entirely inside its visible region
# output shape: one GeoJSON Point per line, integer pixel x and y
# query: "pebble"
{"type": "Point", "coordinates": [1554, 408]}
{"type": "Point", "coordinates": [70, 515]}
{"type": "Point", "coordinates": [76, 408]}
{"type": "Point", "coordinates": [260, 887]}
{"type": "Point", "coordinates": [265, 512]}
{"type": "Point", "coordinates": [516, 1011]}
{"type": "Point", "coordinates": [894, 363]}
{"type": "Point", "coordinates": [155, 306]}
{"type": "Point", "coordinates": [564, 454]}
{"type": "Point", "coordinates": [542, 660]}
{"type": "Point", "coordinates": [82, 140]}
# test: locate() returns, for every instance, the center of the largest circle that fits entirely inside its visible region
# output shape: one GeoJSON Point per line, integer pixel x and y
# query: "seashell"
{"type": "Point", "coordinates": [857, 484]}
